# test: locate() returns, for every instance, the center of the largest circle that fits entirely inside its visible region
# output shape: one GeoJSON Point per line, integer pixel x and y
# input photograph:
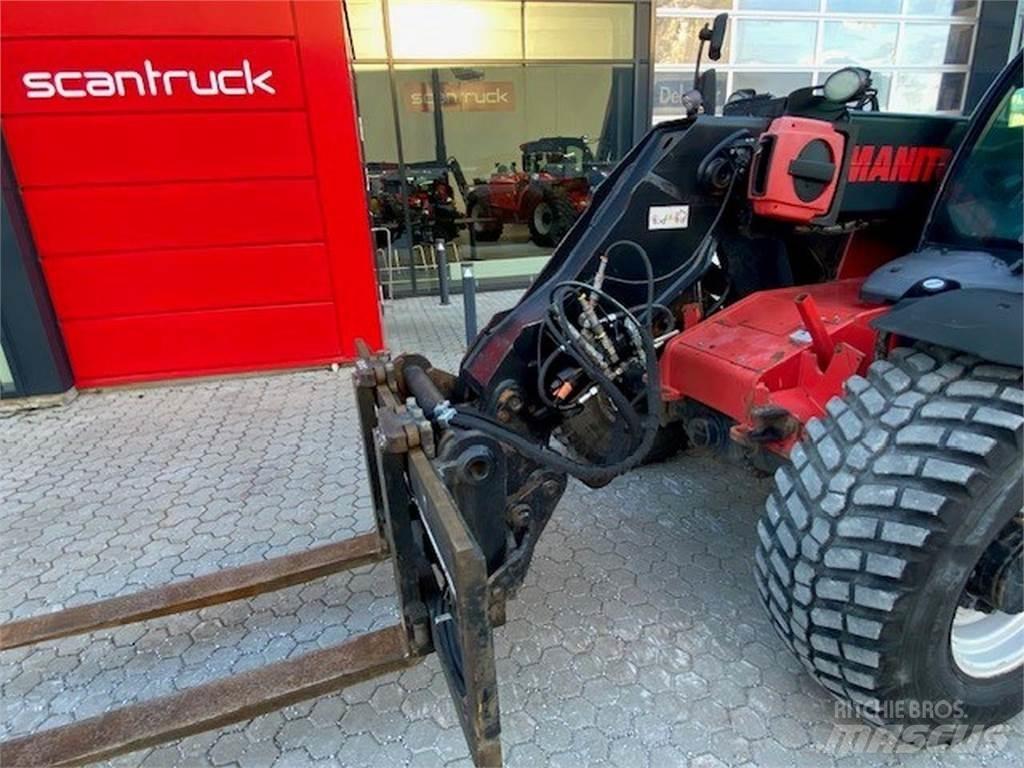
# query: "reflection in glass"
{"type": "Point", "coordinates": [519, 148]}
{"type": "Point", "coordinates": [675, 39]}
{"type": "Point", "coordinates": [882, 82]}
{"type": "Point", "coordinates": [927, 91]}
{"type": "Point", "coordinates": [701, 5]}
{"type": "Point", "coordinates": [863, 6]}
{"type": "Point", "coordinates": [366, 20]}
{"type": "Point", "coordinates": [863, 43]}
{"type": "Point", "coordinates": [455, 29]}
{"type": "Point", "coordinates": [669, 88]}
{"type": "Point", "coordinates": [962, 8]}
{"type": "Point", "coordinates": [775, 83]}
{"type": "Point", "coordinates": [935, 44]}
{"type": "Point", "coordinates": [762, 41]}
{"type": "Point", "coordinates": [980, 204]}
{"type": "Point", "coordinates": [579, 31]}
{"type": "Point", "coordinates": [777, 5]}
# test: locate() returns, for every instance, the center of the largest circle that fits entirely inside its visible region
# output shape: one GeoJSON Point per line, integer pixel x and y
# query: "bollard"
{"type": "Point", "coordinates": [469, 302]}
{"type": "Point", "coordinates": [442, 272]}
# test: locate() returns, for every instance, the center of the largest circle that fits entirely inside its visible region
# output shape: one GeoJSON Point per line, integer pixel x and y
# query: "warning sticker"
{"type": "Point", "coordinates": [668, 217]}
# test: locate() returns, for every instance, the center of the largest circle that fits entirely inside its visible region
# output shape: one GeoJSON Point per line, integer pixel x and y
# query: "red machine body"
{"type": "Point", "coordinates": [774, 359]}
{"type": "Point", "coordinates": [796, 169]}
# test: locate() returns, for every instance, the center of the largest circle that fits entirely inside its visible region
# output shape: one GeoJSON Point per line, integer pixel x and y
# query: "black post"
{"type": "Point", "coordinates": [442, 271]}
{"type": "Point", "coordinates": [437, 91]}
{"type": "Point", "coordinates": [472, 239]}
{"type": "Point", "coordinates": [469, 302]}
{"type": "Point", "coordinates": [30, 337]}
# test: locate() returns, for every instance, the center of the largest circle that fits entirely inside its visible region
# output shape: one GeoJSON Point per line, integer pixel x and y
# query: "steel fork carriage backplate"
{"type": "Point", "coordinates": [445, 599]}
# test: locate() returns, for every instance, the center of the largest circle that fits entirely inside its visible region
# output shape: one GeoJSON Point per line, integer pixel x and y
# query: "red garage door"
{"type": "Point", "coordinates": [192, 177]}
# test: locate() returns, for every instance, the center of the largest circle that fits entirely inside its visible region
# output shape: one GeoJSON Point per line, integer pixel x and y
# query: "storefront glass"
{"type": "Point", "coordinates": [919, 51]}
{"type": "Point", "coordinates": [503, 115]}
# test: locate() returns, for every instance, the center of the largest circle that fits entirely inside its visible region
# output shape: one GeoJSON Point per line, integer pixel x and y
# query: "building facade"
{"type": "Point", "coordinates": [195, 187]}
{"type": "Point", "coordinates": [919, 51]}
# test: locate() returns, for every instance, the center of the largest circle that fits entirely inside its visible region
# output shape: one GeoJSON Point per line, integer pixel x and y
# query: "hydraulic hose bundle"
{"type": "Point", "coordinates": [641, 423]}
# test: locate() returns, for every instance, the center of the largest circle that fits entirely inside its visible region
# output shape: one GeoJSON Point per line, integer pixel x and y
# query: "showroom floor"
{"type": "Point", "coordinates": [637, 640]}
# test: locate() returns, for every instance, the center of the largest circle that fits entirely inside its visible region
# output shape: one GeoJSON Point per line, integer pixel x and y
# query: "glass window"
{"type": "Point", "coordinates": [934, 44]}
{"type": "Point", "coordinates": [777, 5]}
{"type": "Point", "coordinates": [579, 31]}
{"type": "Point", "coordinates": [963, 8]}
{"type": "Point", "coordinates": [927, 91]}
{"type": "Point", "coordinates": [669, 88]}
{"type": "Point", "coordinates": [700, 5]}
{"type": "Point", "coordinates": [882, 82]}
{"type": "Point", "coordinates": [775, 83]}
{"type": "Point", "coordinates": [366, 21]}
{"type": "Point", "coordinates": [863, 6]}
{"type": "Point", "coordinates": [378, 119]}
{"type": "Point", "coordinates": [675, 39]}
{"type": "Point", "coordinates": [6, 379]}
{"type": "Point", "coordinates": [980, 205]}
{"type": "Point", "coordinates": [859, 42]}
{"type": "Point", "coordinates": [455, 29]}
{"type": "Point", "coordinates": [762, 41]}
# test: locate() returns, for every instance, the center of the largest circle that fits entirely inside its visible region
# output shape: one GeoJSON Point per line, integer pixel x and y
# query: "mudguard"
{"type": "Point", "coordinates": [980, 321]}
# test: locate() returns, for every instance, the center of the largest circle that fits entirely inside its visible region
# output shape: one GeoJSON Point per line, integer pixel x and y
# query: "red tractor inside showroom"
{"type": "Point", "coordinates": [805, 285]}
{"type": "Point", "coordinates": [547, 193]}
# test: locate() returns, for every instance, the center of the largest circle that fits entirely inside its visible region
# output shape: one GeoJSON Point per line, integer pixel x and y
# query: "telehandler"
{"type": "Point", "coordinates": [808, 285]}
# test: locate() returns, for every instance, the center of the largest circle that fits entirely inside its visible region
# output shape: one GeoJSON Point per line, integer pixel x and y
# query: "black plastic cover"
{"type": "Point", "coordinates": [980, 321]}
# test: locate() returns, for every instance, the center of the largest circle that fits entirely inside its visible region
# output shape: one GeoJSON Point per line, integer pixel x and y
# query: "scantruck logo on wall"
{"type": "Point", "coordinates": [472, 96]}
{"type": "Point", "coordinates": [149, 81]}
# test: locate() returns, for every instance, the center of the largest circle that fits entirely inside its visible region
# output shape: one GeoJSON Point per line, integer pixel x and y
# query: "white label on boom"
{"type": "Point", "coordinates": [668, 217]}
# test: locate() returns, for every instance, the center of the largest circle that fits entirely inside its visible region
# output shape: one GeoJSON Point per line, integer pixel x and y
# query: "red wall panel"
{"type": "Point", "coordinates": [332, 116]}
{"type": "Point", "coordinates": [186, 233]}
{"type": "Point", "coordinates": [89, 59]}
{"type": "Point", "coordinates": [218, 341]}
{"type": "Point", "coordinates": [110, 218]}
{"type": "Point", "coordinates": [106, 149]}
{"type": "Point", "coordinates": [111, 18]}
{"type": "Point", "coordinates": [113, 284]}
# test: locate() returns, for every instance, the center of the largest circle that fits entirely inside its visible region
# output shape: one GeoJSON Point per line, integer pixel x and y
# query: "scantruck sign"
{"type": "Point", "coordinates": [150, 75]}
{"type": "Point", "coordinates": [147, 80]}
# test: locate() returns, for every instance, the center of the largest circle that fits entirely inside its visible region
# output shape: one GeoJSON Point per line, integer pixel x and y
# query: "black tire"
{"type": "Point", "coordinates": [558, 216]}
{"type": "Point", "coordinates": [486, 232]}
{"type": "Point", "coordinates": [876, 525]}
{"type": "Point", "coordinates": [591, 435]}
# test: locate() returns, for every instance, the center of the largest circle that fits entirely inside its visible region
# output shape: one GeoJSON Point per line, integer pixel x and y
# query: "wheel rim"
{"type": "Point", "coordinates": [542, 218]}
{"type": "Point", "coordinates": [987, 644]}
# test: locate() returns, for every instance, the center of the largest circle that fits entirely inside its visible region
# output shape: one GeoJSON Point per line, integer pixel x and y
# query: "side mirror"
{"type": "Point", "coordinates": [715, 36]}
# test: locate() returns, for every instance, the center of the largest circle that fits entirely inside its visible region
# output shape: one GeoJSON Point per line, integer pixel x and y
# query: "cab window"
{"type": "Point", "coordinates": [980, 207]}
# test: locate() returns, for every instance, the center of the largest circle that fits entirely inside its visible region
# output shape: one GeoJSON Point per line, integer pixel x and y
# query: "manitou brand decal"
{"type": "Point", "coordinates": [149, 81]}
{"type": "Point", "coordinates": [908, 165]}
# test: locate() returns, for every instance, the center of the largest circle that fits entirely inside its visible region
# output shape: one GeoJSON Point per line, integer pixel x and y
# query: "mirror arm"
{"type": "Point", "coordinates": [700, 52]}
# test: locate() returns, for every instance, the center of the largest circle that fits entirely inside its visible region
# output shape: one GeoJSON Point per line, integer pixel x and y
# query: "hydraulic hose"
{"type": "Point", "coordinates": [592, 474]}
